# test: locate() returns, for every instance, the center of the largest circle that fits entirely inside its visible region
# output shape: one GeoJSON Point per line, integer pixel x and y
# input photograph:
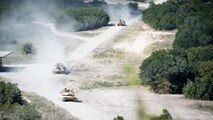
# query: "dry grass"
{"type": "Point", "coordinates": [100, 84]}
{"type": "Point", "coordinates": [47, 108]}
{"type": "Point", "coordinates": [129, 33]}
{"type": "Point", "coordinates": [110, 53]}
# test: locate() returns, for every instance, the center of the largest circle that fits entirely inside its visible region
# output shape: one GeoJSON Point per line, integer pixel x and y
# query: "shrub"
{"type": "Point", "coordinates": [200, 89]}
{"type": "Point", "coordinates": [206, 68]}
{"type": "Point", "coordinates": [9, 93]}
{"type": "Point", "coordinates": [118, 118]}
{"type": "Point", "coordinates": [164, 116]}
{"type": "Point", "coordinates": [82, 18]}
{"type": "Point", "coordinates": [165, 71]}
{"type": "Point", "coordinates": [28, 112]}
{"type": "Point", "coordinates": [196, 55]}
{"type": "Point", "coordinates": [193, 33]}
{"type": "Point", "coordinates": [190, 90]}
{"type": "Point", "coordinates": [28, 48]}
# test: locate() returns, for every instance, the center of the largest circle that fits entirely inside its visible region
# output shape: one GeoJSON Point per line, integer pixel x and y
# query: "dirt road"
{"type": "Point", "coordinates": [38, 78]}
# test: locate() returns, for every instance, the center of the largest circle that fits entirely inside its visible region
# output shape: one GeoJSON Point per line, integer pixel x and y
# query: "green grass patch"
{"type": "Point", "coordinates": [155, 47]}
{"type": "Point", "coordinates": [85, 34]}
{"type": "Point", "coordinates": [121, 37]}
{"type": "Point", "coordinates": [131, 74]}
{"type": "Point", "coordinates": [110, 53]}
{"type": "Point", "coordinates": [130, 33]}
{"type": "Point", "coordinates": [100, 84]}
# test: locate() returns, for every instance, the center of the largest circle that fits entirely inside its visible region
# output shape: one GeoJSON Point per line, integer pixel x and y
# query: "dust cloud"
{"type": "Point", "coordinates": [36, 77]}
{"type": "Point", "coordinates": [39, 29]}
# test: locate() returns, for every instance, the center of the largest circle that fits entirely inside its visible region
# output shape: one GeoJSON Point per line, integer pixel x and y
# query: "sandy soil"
{"type": "Point", "coordinates": [179, 107]}
{"type": "Point", "coordinates": [146, 37]}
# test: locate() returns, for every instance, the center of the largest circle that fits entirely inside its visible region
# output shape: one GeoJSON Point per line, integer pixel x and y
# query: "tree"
{"type": "Point", "coordinates": [82, 18]}
{"type": "Point", "coordinates": [200, 89]}
{"type": "Point", "coordinates": [165, 70]}
{"type": "Point", "coordinates": [196, 55]}
{"type": "Point", "coordinates": [206, 68]}
{"type": "Point", "coordinates": [193, 33]}
{"type": "Point", "coordinates": [28, 48]}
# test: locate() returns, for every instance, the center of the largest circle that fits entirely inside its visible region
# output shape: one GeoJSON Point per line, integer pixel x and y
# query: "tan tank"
{"type": "Point", "coordinates": [67, 95]}
{"type": "Point", "coordinates": [121, 23]}
{"type": "Point", "coordinates": [59, 68]}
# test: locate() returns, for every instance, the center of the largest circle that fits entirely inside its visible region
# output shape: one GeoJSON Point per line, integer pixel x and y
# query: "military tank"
{"type": "Point", "coordinates": [121, 23]}
{"type": "Point", "coordinates": [67, 95]}
{"type": "Point", "coordinates": [59, 68]}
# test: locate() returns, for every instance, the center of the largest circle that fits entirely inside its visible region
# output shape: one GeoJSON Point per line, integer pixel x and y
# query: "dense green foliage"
{"type": "Point", "coordinates": [197, 55]}
{"type": "Point", "coordinates": [11, 103]}
{"type": "Point", "coordinates": [202, 87]}
{"type": "Point", "coordinates": [9, 94]}
{"type": "Point", "coordinates": [165, 71]}
{"type": "Point", "coordinates": [193, 19]}
{"type": "Point", "coordinates": [82, 18]}
{"type": "Point", "coordinates": [188, 65]}
{"type": "Point", "coordinates": [118, 118]}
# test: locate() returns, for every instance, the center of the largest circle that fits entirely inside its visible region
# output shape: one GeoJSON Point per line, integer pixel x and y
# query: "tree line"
{"type": "Point", "coordinates": [188, 66]}
{"type": "Point", "coordinates": [84, 16]}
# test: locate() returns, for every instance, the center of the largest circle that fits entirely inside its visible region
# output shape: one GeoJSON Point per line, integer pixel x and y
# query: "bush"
{"type": "Point", "coordinates": [165, 71]}
{"type": "Point", "coordinates": [206, 68]}
{"type": "Point", "coordinates": [28, 48]}
{"type": "Point", "coordinates": [193, 33]}
{"type": "Point", "coordinates": [9, 93]}
{"type": "Point", "coordinates": [118, 118]}
{"type": "Point", "coordinates": [162, 16]}
{"type": "Point", "coordinates": [196, 55]}
{"type": "Point", "coordinates": [190, 90]}
{"type": "Point", "coordinates": [28, 112]}
{"type": "Point", "coordinates": [164, 116]}
{"type": "Point", "coordinates": [11, 103]}
{"type": "Point", "coordinates": [200, 89]}
{"type": "Point", "coordinates": [82, 18]}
